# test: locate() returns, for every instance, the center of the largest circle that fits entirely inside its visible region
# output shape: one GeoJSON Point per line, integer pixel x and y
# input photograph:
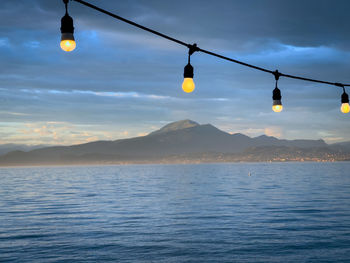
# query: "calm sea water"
{"type": "Point", "coordinates": [283, 212]}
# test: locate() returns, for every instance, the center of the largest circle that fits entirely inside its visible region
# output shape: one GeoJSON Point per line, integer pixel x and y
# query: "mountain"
{"type": "Point", "coordinates": [264, 140]}
{"type": "Point", "coordinates": [180, 141]}
{"type": "Point", "coordinates": [341, 145]}
{"type": "Point", "coordinates": [10, 147]}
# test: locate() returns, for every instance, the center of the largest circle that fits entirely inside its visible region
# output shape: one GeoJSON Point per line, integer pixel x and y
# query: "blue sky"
{"type": "Point", "coordinates": [121, 82]}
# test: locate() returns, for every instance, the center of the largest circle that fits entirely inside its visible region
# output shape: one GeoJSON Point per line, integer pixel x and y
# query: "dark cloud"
{"type": "Point", "coordinates": [297, 23]}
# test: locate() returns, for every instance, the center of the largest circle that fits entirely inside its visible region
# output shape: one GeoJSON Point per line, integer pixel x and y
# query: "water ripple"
{"type": "Point", "coordinates": [287, 212]}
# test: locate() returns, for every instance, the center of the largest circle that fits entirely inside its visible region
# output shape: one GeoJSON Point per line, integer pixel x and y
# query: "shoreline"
{"type": "Point", "coordinates": [159, 163]}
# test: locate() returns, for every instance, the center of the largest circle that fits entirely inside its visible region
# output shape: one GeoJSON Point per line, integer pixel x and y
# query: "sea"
{"type": "Point", "coordinates": [255, 212]}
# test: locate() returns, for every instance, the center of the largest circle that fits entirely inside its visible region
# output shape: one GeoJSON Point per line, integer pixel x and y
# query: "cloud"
{"type": "Point", "coordinates": [14, 113]}
{"type": "Point", "coordinates": [273, 131]}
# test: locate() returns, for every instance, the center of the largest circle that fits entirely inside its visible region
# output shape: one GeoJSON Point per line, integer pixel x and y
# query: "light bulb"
{"type": "Point", "coordinates": [68, 45]}
{"type": "Point", "coordinates": [344, 102]}
{"type": "Point", "coordinates": [67, 30]}
{"type": "Point", "coordinates": [345, 108]}
{"type": "Point", "coordinates": [188, 85]}
{"type": "Point", "coordinates": [277, 108]}
{"type": "Point", "coordinates": [276, 100]}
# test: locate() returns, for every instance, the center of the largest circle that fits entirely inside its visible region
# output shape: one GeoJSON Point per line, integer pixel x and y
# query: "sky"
{"type": "Point", "coordinates": [122, 82]}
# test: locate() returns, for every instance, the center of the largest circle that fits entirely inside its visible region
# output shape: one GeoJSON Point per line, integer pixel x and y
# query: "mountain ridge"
{"type": "Point", "coordinates": [181, 138]}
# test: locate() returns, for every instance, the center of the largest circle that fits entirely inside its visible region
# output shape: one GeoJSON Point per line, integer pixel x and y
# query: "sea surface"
{"type": "Point", "coordinates": [282, 212]}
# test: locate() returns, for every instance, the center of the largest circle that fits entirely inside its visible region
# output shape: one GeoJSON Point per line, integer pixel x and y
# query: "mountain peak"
{"type": "Point", "coordinates": [177, 125]}
{"type": "Point", "coordinates": [266, 137]}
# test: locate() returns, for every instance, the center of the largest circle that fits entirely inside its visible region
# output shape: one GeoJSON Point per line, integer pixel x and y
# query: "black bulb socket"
{"type": "Point", "coordinates": [276, 96]}
{"type": "Point", "coordinates": [188, 71]}
{"type": "Point", "coordinates": [67, 24]}
{"type": "Point", "coordinates": [67, 28]}
{"type": "Point", "coordinates": [344, 98]}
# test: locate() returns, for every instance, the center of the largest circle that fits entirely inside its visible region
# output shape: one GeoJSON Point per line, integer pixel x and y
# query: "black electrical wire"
{"type": "Point", "coordinates": [193, 48]}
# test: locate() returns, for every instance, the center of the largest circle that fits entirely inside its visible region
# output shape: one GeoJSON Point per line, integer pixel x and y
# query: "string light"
{"type": "Point", "coordinates": [68, 44]}
{"type": "Point", "coordinates": [67, 30]}
{"type": "Point", "coordinates": [188, 84]}
{"type": "Point", "coordinates": [276, 95]}
{"type": "Point", "coordinates": [345, 108]}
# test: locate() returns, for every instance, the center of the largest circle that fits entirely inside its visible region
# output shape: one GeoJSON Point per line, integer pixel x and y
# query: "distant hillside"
{"type": "Point", "coordinates": [10, 147]}
{"type": "Point", "coordinates": [345, 146]}
{"type": "Point", "coordinates": [180, 141]}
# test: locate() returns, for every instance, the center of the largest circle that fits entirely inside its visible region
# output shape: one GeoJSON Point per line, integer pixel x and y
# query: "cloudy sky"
{"type": "Point", "coordinates": [122, 82]}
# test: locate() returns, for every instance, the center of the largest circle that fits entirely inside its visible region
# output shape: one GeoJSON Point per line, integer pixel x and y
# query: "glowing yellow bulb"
{"type": "Point", "coordinates": [277, 108]}
{"type": "Point", "coordinates": [345, 108]}
{"type": "Point", "coordinates": [68, 45]}
{"type": "Point", "coordinates": [188, 85]}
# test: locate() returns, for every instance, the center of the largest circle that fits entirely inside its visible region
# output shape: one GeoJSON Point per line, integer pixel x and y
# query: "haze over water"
{"type": "Point", "coordinates": [283, 212]}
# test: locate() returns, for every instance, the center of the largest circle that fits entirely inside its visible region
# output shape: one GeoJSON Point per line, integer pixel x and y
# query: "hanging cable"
{"type": "Point", "coordinates": [68, 44]}
{"type": "Point", "coordinates": [200, 49]}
